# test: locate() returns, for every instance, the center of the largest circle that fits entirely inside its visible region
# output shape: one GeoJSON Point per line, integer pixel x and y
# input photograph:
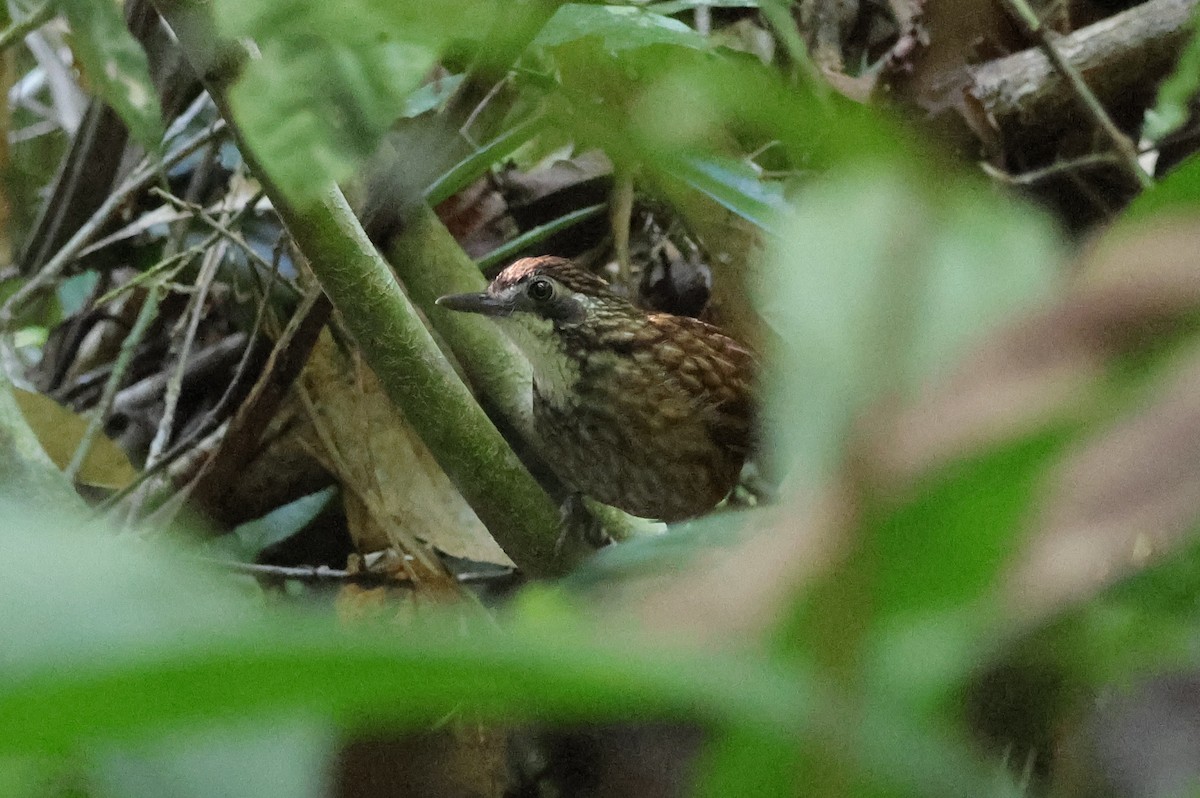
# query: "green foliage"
{"type": "Point", "coordinates": [877, 284]}
{"type": "Point", "coordinates": [618, 28]}
{"type": "Point", "coordinates": [115, 66]}
{"type": "Point", "coordinates": [880, 275]}
{"type": "Point", "coordinates": [277, 756]}
{"type": "Point", "coordinates": [1178, 192]}
{"type": "Point", "coordinates": [1171, 111]}
{"type": "Point", "coordinates": [92, 657]}
{"type": "Point", "coordinates": [734, 185]}
{"type": "Point", "coordinates": [248, 540]}
{"type": "Point", "coordinates": [333, 77]}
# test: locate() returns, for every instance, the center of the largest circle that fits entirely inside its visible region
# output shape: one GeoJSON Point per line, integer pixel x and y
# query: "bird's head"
{"type": "Point", "coordinates": [556, 313]}
{"type": "Point", "coordinates": [537, 292]}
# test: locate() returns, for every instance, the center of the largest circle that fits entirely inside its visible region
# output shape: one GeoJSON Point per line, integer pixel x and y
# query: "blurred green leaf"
{"type": "Point", "coordinates": [312, 109]}
{"type": "Point", "coordinates": [116, 66]}
{"type": "Point", "coordinates": [117, 640]}
{"type": "Point", "coordinates": [332, 78]}
{"type": "Point", "coordinates": [876, 284]}
{"type": "Point", "coordinates": [31, 776]}
{"type": "Point", "coordinates": [618, 27]}
{"type": "Point", "coordinates": [431, 96]}
{"type": "Point", "coordinates": [941, 549]}
{"type": "Point", "coordinates": [935, 560]}
{"type": "Point", "coordinates": [277, 757]}
{"type": "Point", "coordinates": [744, 763]}
{"type": "Point", "coordinates": [1147, 622]}
{"type": "Point", "coordinates": [74, 291]}
{"type": "Point", "coordinates": [112, 638]}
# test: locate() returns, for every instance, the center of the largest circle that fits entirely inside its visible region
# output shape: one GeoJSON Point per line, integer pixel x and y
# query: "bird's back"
{"type": "Point", "coordinates": [659, 422]}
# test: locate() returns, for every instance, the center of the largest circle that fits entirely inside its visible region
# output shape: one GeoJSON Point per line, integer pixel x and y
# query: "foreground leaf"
{"type": "Point", "coordinates": [116, 66]}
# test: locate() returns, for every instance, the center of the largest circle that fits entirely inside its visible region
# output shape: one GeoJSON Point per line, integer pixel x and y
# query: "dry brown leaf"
{"type": "Point", "coordinates": [395, 490]}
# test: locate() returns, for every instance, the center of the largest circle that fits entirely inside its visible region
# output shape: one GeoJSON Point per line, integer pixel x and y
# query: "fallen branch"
{"type": "Point", "coordinates": [1118, 55]}
{"type": "Point", "coordinates": [1121, 143]}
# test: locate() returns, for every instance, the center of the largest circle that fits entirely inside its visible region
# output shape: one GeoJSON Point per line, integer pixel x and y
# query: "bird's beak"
{"type": "Point", "coordinates": [482, 303]}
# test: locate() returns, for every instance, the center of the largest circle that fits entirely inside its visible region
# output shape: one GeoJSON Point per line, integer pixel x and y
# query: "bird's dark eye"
{"type": "Point", "coordinates": [540, 289]}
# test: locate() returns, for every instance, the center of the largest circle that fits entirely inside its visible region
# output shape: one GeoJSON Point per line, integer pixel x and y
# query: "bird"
{"type": "Point", "coordinates": [647, 412]}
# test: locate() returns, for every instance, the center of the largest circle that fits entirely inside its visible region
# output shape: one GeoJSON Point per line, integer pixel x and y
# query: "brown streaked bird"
{"type": "Point", "coordinates": [647, 412]}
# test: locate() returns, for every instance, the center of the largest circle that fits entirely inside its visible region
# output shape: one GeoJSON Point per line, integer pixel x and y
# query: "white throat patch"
{"type": "Point", "coordinates": [554, 373]}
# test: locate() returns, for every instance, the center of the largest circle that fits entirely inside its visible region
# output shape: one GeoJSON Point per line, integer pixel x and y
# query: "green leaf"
{"type": "Point", "coordinates": [332, 77]}
{"type": "Point", "coordinates": [468, 170]}
{"type": "Point", "coordinates": [875, 286]}
{"type": "Point", "coordinates": [1170, 112]}
{"type": "Point", "coordinates": [248, 540]}
{"type": "Point", "coordinates": [746, 764]}
{"type": "Point", "coordinates": [1178, 192]}
{"type": "Point", "coordinates": [431, 96]}
{"type": "Point", "coordinates": [934, 561]}
{"type": "Point", "coordinates": [619, 28]}
{"type": "Point", "coordinates": [510, 248]}
{"type": "Point", "coordinates": [733, 184]}
{"type": "Point", "coordinates": [313, 109]}
{"type": "Point", "coordinates": [116, 66]}
{"type": "Point", "coordinates": [942, 548]}
{"type": "Point", "coordinates": [74, 291]}
{"type": "Point", "coordinates": [117, 642]}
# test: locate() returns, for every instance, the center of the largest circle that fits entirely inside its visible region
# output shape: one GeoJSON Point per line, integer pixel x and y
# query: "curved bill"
{"type": "Point", "coordinates": [482, 302]}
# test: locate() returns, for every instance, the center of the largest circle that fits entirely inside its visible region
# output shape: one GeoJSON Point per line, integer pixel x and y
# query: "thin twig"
{"type": "Point", "coordinates": [620, 212]}
{"type": "Point", "coordinates": [210, 264]}
{"type": "Point", "coordinates": [211, 419]}
{"type": "Point", "coordinates": [323, 574]}
{"type": "Point", "coordinates": [146, 173]}
{"type": "Point", "coordinates": [465, 128]}
{"type": "Point", "coordinates": [1053, 170]}
{"type": "Point", "coordinates": [166, 424]}
{"type": "Point", "coordinates": [146, 315]}
{"type": "Point", "coordinates": [162, 272]}
{"type": "Point", "coordinates": [20, 28]}
{"type": "Point", "coordinates": [1122, 143]}
{"type": "Point", "coordinates": [216, 224]}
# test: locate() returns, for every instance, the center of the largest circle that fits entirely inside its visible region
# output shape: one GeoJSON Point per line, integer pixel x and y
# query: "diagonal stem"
{"type": "Point", "coordinates": [1121, 143]}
